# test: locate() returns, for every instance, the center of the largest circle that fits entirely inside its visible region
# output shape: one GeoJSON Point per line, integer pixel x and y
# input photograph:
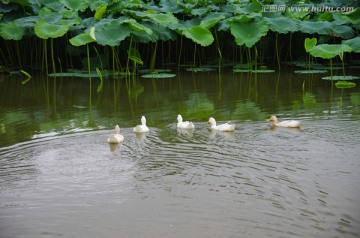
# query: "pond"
{"type": "Point", "coordinates": [60, 178]}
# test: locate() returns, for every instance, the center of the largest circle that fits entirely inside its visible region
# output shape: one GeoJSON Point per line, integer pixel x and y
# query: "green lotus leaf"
{"type": "Point", "coordinates": [353, 43]}
{"type": "Point", "coordinates": [153, 71]}
{"type": "Point", "coordinates": [77, 5]}
{"type": "Point", "coordinates": [94, 4]}
{"type": "Point", "coordinates": [50, 16]}
{"type": "Point", "coordinates": [352, 17]}
{"type": "Point", "coordinates": [343, 31]}
{"type": "Point", "coordinates": [200, 69]}
{"type": "Point", "coordinates": [100, 12]}
{"type": "Point", "coordinates": [341, 77]}
{"type": "Point", "coordinates": [211, 20]}
{"type": "Point", "coordinates": [312, 71]}
{"type": "Point", "coordinates": [345, 84]}
{"type": "Point", "coordinates": [199, 11]}
{"type": "Point", "coordinates": [300, 15]}
{"type": "Point", "coordinates": [254, 6]}
{"type": "Point", "coordinates": [241, 70]}
{"type": "Point", "coordinates": [46, 30]}
{"type": "Point", "coordinates": [248, 33]}
{"type": "Point", "coordinates": [137, 26]}
{"type": "Point", "coordinates": [282, 24]}
{"type": "Point", "coordinates": [158, 76]}
{"type": "Point", "coordinates": [11, 31]}
{"type": "Point", "coordinates": [81, 39]}
{"type": "Point", "coordinates": [310, 27]}
{"type": "Point", "coordinates": [327, 51]}
{"type": "Point", "coordinates": [135, 56]}
{"type": "Point", "coordinates": [162, 18]}
{"type": "Point", "coordinates": [261, 71]}
{"type": "Point", "coordinates": [112, 33]}
{"type": "Point", "coordinates": [81, 74]}
{"type": "Point", "coordinates": [309, 43]}
{"type": "Point", "coordinates": [326, 16]}
{"type": "Point", "coordinates": [199, 35]}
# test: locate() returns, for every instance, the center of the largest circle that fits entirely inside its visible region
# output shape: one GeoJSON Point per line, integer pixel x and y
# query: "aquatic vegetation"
{"type": "Point", "coordinates": [142, 32]}
{"type": "Point", "coordinates": [200, 69]}
{"type": "Point", "coordinates": [264, 71]}
{"type": "Point", "coordinates": [345, 84]}
{"type": "Point", "coordinates": [158, 75]}
{"type": "Point", "coordinates": [312, 71]}
{"type": "Point", "coordinates": [340, 77]}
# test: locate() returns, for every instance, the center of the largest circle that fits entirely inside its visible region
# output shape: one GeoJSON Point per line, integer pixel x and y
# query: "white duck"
{"type": "Point", "coordinates": [184, 124]}
{"type": "Point", "coordinates": [289, 123]}
{"type": "Point", "coordinates": [141, 128]}
{"type": "Point", "coordinates": [115, 138]}
{"type": "Point", "coordinates": [222, 127]}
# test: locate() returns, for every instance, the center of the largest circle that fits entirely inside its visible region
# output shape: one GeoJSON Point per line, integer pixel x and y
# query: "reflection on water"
{"type": "Point", "coordinates": [59, 176]}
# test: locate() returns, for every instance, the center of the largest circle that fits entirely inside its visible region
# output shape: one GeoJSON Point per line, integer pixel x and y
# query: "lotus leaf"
{"type": "Point", "coordinates": [309, 43]}
{"type": "Point", "coordinates": [74, 4]}
{"type": "Point", "coordinates": [282, 24]}
{"type": "Point", "coordinates": [343, 31]}
{"type": "Point", "coordinates": [341, 77]}
{"type": "Point", "coordinates": [137, 26]}
{"type": "Point", "coordinates": [264, 71]}
{"type": "Point", "coordinates": [100, 12]}
{"type": "Point", "coordinates": [158, 76]}
{"type": "Point", "coordinates": [311, 27]}
{"type": "Point", "coordinates": [94, 4]}
{"type": "Point", "coordinates": [327, 51]}
{"type": "Point", "coordinates": [211, 20]}
{"type": "Point", "coordinates": [154, 71]}
{"type": "Point", "coordinates": [46, 30]}
{"type": "Point", "coordinates": [326, 16]}
{"type": "Point", "coordinates": [253, 71]}
{"type": "Point", "coordinates": [50, 16]}
{"type": "Point", "coordinates": [80, 74]}
{"type": "Point", "coordinates": [163, 19]}
{"type": "Point", "coordinates": [200, 69]}
{"type": "Point", "coordinates": [353, 43]}
{"type": "Point", "coordinates": [11, 31]}
{"type": "Point", "coordinates": [254, 7]}
{"type": "Point", "coordinates": [135, 56]}
{"type": "Point", "coordinates": [352, 17]}
{"type": "Point", "coordinates": [81, 39]}
{"type": "Point", "coordinates": [112, 33]}
{"type": "Point", "coordinates": [199, 11]}
{"type": "Point", "coordinates": [199, 35]}
{"type": "Point", "coordinates": [248, 33]}
{"type": "Point", "coordinates": [241, 70]}
{"type": "Point", "coordinates": [345, 84]}
{"type": "Point", "coordinates": [314, 71]}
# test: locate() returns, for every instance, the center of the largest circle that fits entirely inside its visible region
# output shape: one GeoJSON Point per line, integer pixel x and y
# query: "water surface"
{"type": "Point", "coordinates": [59, 177]}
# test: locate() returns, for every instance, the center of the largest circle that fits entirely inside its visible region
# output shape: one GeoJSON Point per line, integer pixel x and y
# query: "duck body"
{"type": "Point", "coordinates": [223, 127]}
{"type": "Point", "coordinates": [115, 138]}
{"type": "Point", "coordinates": [184, 124]}
{"type": "Point", "coordinates": [141, 128]}
{"type": "Point", "coordinates": [288, 123]}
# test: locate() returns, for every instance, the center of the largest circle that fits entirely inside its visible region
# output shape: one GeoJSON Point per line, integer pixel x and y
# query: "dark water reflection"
{"type": "Point", "coordinates": [59, 177]}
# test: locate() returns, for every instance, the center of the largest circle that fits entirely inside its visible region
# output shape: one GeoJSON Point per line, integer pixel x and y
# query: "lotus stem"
{"type": "Point", "coordinates": [277, 49]}
{"type": "Point", "coordinates": [89, 71]}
